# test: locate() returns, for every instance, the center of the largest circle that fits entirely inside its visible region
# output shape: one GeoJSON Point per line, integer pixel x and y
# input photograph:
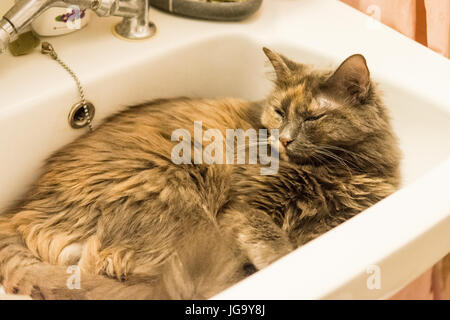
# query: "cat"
{"type": "Point", "coordinates": [139, 226]}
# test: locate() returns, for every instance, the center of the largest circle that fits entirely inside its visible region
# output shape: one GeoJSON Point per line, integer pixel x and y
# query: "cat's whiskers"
{"type": "Point", "coordinates": [353, 154]}
{"type": "Point", "coordinates": [319, 158]}
{"type": "Point", "coordinates": [340, 160]}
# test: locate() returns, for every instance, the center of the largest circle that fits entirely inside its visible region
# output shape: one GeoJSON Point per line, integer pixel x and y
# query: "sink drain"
{"type": "Point", "coordinates": [77, 116]}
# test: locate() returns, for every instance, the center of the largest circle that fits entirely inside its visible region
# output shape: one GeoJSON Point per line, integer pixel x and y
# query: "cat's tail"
{"type": "Point", "coordinates": [204, 266]}
{"type": "Point", "coordinates": [22, 273]}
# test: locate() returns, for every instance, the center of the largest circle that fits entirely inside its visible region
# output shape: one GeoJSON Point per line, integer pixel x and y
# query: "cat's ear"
{"type": "Point", "coordinates": [351, 81]}
{"type": "Point", "coordinates": [283, 67]}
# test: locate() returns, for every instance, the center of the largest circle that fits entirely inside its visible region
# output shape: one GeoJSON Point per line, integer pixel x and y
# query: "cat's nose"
{"type": "Point", "coordinates": [285, 140]}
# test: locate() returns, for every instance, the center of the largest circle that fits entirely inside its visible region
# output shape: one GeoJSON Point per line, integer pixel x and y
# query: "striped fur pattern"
{"type": "Point", "coordinates": [141, 227]}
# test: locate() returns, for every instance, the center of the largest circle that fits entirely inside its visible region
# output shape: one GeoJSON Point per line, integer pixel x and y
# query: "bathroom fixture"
{"type": "Point", "coordinates": [135, 24]}
{"type": "Point", "coordinates": [83, 112]}
{"type": "Point", "coordinates": [77, 115]}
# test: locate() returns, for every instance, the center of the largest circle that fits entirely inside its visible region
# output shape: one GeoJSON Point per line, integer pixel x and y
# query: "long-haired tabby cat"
{"type": "Point", "coordinates": [140, 226]}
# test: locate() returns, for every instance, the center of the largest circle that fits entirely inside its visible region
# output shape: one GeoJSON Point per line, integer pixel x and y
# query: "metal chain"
{"type": "Point", "coordinates": [47, 48]}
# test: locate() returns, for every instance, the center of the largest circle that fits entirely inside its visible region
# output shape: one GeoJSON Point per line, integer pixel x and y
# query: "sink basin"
{"type": "Point", "coordinates": [398, 238]}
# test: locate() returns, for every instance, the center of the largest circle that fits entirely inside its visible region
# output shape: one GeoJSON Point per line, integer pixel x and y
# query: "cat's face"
{"type": "Point", "coordinates": [319, 113]}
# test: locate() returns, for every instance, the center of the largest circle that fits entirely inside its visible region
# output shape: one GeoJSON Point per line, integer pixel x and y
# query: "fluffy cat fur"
{"type": "Point", "coordinates": [141, 227]}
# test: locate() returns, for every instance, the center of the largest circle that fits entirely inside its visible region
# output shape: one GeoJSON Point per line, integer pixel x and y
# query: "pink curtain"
{"type": "Point", "coordinates": [434, 284]}
{"type": "Point", "coordinates": [438, 19]}
{"type": "Point", "coordinates": [410, 16]}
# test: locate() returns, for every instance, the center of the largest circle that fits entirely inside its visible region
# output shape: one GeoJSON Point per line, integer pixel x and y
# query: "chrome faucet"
{"type": "Point", "coordinates": [135, 24]}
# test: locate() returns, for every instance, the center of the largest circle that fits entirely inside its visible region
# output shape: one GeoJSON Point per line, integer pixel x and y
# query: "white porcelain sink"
{"type": "Point", "coordinates": [402, 236]}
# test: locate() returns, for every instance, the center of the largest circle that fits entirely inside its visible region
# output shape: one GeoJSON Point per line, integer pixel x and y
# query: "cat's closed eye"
{"type": "Point", "coordinates": [315, 117]}
{"type": "Point", "coordinates": [279, 112]}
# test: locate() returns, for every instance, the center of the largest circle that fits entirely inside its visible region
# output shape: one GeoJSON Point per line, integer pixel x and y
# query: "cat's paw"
{"type": "Point", "coordinates": [114, 263]}
{"type": "Point", "coordinates": [42, 293]}
{"type": "Point", "coordinates": [41, 288]}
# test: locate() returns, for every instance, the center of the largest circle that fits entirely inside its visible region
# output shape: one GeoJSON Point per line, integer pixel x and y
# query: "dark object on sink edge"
{"type": "Point", "coordinates": [220, 11]}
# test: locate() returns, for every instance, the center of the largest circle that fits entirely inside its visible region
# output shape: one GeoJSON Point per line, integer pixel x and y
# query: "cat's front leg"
{"type": "Point", "coordinates": [255, 233]}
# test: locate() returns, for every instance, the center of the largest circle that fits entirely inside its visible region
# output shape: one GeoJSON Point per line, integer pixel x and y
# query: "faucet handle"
{"type": "Point", "coordinates": [135, 26]}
